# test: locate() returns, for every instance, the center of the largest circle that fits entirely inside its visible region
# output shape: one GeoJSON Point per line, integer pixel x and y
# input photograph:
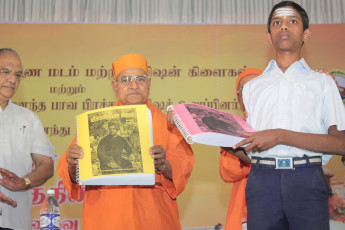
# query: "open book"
{"type": "Point", "coordinates": [116, 142]}
{"type": "Point", "coordinates": [208, 126]}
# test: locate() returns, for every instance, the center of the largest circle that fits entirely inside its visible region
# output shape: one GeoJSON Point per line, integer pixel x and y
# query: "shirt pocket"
{"type": "Point", "coordinates": [305, 107]}
{"type": "Point", "coordinates": [22, 138]}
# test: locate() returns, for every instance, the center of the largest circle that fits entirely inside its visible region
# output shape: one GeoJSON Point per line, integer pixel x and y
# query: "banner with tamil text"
{"type": "Point", "coordinates": [68, 71]}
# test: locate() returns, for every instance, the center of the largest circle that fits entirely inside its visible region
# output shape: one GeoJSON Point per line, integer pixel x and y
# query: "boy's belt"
{"type": "Point", "coordinates": [287, 163]}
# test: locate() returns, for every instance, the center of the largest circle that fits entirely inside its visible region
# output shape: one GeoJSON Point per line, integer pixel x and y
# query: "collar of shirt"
{"type": "Point", "coordinates": [7, 106]}
{"type": "Point", "coordinates": [300, 65]}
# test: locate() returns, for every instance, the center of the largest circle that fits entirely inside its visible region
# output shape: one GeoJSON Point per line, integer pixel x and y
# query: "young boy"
{"type": "Point", "coordinates": [290, 96]}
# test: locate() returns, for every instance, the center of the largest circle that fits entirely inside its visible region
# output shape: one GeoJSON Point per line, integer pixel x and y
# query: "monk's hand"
{"type": "Point", "coordinates": [228, 149]}
{"type": "Point", "coordinates": [170, 116]}
{"type": "Point", "coordinates": [7, 200]}
{"type": "Point", "coordinates": [159, 156]}
{"type": "Point", "coordinates": [231, 150]}
{"type": "Point", "coordinates": [259, 141]}
{"type": "Point", "coordinates": [239, 152]}
{"type": "Point", "coordinates": [73, 153]}
{"type": "Point", "coordinates": [328, 73]}
{"type": "Point", "coordinates": [162, 165]}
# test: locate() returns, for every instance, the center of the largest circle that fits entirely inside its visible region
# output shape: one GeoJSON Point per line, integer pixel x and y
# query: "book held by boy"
{"type": "Point", "coordinates": [116, 142]}
{"type": "Point", "coordinates": [208, 126]}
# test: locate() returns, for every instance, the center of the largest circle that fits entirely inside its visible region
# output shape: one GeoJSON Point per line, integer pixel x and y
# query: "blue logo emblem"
{"type": "Point", "coordinates": [284, 163]}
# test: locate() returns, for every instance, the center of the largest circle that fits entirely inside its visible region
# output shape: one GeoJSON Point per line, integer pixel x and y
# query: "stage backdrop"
{"type": "Point", "coordinates": [68, 71]}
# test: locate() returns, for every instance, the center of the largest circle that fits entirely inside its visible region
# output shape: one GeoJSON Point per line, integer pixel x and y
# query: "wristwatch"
{"type": "Point", "coordinates": [27, 183]}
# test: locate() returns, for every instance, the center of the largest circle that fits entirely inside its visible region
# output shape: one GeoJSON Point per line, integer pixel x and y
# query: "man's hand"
{"type": "Point", "coordinates": [73, 153]}
{"type": "Point", "coordinates": [7, 200]}
{"type": "Point", "coordinates": [113, 164]}
{"type": "Point", "coordinates": [259, 141]}
{"type": "Point", "coordinates": [11, 182]}
{"type": "Point", "coordinates": [132, 157]}
{"type": "Point", "coordinates": [162, 165]}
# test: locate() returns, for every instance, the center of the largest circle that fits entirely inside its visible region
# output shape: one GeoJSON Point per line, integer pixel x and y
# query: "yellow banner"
{"type": "Point", "coordinates": [68, 72]}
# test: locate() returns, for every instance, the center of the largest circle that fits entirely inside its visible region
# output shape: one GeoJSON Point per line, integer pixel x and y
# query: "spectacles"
{"type": "Point", "coordinates": [7, 73]}
{"type": "Point", "coordinates": [126, 80]}
{"type": "Point", "coordinates": [239, 92]}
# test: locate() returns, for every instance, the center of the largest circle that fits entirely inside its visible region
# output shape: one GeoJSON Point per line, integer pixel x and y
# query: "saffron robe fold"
{"type": "Point", "coordinates": [233, 170]}
{"type": "Point", "coordinates": [138, 207]}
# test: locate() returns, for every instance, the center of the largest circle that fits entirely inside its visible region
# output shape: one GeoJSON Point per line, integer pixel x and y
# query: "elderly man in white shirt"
{"type": "Point", "coordinates": [22, 143]}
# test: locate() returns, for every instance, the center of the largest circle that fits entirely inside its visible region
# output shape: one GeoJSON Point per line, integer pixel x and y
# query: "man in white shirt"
{"type": "Point", "coordinates": [299, 116]}
{"type": "Point", "coordinates": [22, 143]}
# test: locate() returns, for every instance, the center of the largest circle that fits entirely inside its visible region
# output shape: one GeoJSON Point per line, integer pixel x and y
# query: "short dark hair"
{"type": "Point", "coordinates": [294, 5]}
